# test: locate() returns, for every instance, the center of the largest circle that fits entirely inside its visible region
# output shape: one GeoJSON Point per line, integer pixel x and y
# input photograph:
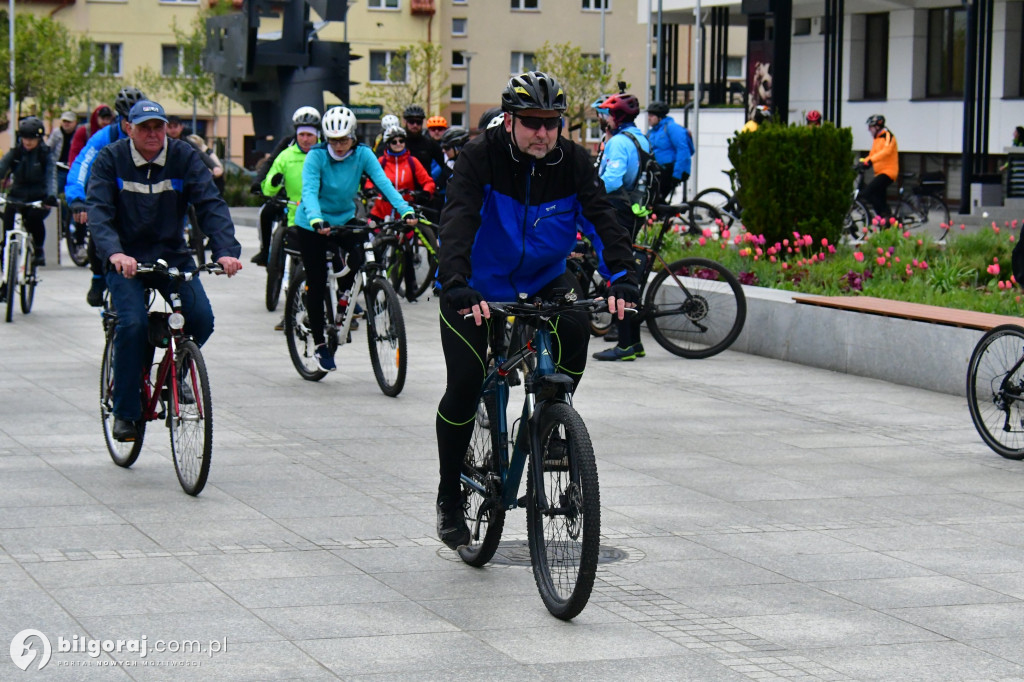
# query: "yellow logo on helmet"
{"type": "Point", "coordinates": [559, 92]}
{"type": "Point", "coordinates": [520, 89]}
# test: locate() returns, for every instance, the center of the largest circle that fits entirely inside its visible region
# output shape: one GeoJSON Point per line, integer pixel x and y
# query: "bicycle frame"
{"type": "Point", "coordinates": [19, 235]}
{"type": "Point", "coordinates": [368, 269]}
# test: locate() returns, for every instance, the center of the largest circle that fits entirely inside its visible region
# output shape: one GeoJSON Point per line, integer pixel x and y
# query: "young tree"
{"type": "Point", "coordinates": [414, 75]}
{"type": "Point", "coordinates": [583, 78]}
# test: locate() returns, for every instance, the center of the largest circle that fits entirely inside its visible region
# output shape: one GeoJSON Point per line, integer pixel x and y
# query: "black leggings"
{"type": "Point", "coordinates": [465, 354]}
{"type": "Point", "coordinates": [874, 194]}
{"type": "Point", "coordinates": [314, 247]}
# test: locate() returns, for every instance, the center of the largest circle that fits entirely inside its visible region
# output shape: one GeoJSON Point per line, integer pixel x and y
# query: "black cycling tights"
{"type": "Point", "coordinates": [465, 354]}
{"type": "Point", "coordinates": [314, 248]}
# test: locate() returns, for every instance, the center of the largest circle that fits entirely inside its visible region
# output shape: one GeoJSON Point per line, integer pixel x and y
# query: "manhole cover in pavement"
{"type": "Point", "coordinates": [517, 553]}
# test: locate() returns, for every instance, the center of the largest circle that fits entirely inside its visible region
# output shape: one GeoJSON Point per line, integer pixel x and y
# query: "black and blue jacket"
{"type": "Point", "coordinates": [138, 207]}
{"type": "Point", "coordinates": [511, 220]}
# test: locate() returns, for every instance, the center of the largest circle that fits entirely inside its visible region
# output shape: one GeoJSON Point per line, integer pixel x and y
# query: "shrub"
{"type": "Point", "coordinates": [794, 179]}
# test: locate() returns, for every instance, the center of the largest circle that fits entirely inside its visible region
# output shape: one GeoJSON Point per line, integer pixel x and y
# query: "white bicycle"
{"type": "Point", "coordinates": [19, 272]}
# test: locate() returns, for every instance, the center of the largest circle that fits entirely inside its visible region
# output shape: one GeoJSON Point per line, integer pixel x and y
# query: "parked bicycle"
{"type": "Point", "coordinates": [550, 441]}
{"type": "Point", "coordinates": [19, 274]}
{"type": "Point", "coordinates": [281, 258]}
{"type": "Point", "coordinates": [995, 389]}
{"type": "Point", "coordinates": [385, 325]}
{"type": "Point", "coordinates": [724, 201]}
{"type": "Point", "coordinates": [920, 208]}
{"type": "Point", "coordinates": [176, 390]}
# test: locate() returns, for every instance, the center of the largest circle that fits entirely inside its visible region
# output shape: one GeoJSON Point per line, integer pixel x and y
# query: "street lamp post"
{"type": "Point", "coordinates": [348, 6]}
{"type": "Point", "coordinates": [468, 56]}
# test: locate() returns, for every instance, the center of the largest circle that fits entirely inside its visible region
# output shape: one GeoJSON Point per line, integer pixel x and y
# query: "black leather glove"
{"type": "Point", "coordinates": [625, 289]}
{"type": "Point", "coordinates": [50, 200]}
{"type": "Point", "coordinates": [255, 187]}
{"type": "Point", "coordinates": [460, 297]}
{"type": "Point", "coordinates": [78, 206]}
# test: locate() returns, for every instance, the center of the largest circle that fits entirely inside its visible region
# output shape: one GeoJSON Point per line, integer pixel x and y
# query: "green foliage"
{"type": "Point", "coordinates": [583, 79]}
{"type": "Point", "coordinates": [415, 71]}
{"type": "Point", "coordinates": [236, 190]}
{"type": "Point", "coordinates": [794, 178]}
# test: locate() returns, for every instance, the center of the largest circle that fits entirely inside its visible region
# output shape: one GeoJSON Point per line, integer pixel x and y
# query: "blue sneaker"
{"type": "Point", "coordinates": [324, 359]}
{"type": "Point", "coordinates": [617, 353]}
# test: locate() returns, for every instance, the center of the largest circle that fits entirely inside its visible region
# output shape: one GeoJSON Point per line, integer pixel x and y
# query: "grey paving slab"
{"type": "Point", "coordinates": [766, 521]}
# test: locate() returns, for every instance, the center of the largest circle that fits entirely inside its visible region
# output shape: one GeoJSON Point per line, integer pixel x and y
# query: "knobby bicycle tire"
{"type": "Point", "coordinates": [485, 514]}
{"type": "Point", "coordinates": [13, 254]}
{"type": "Point", "coordinates": [565, 538]}
{"type": "Point", "coordinates": [996, 400]}
{"type": "Point", "coordinates": [27, 291]}
{"type": "Point", "coordinates": [700, 320]}
{"type": "Point", "coordinates": [192, 426]}
{"type": "Point", "coordinates": [275, 266]}
{"type": "Point", "coordinates": [385, 335]}
{"type": "Point", "coordinates": [301, 346]}
{"type": "Point", "coordinates": [123, 454]}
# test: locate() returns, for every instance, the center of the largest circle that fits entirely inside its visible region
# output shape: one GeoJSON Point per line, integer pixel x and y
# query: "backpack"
{"type": "Point", "coordinates": [647, 188]}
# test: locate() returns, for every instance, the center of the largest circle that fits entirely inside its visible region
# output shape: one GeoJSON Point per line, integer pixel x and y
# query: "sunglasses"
{"type": "Point", "coordinates": [537, 122]}
{"type": "Point", "coordinates": [396, 140]}
{"type": "Point", "coordinates": [414, 121]}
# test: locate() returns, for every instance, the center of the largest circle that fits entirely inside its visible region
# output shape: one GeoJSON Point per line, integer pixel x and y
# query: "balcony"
{"type": "Point", "coordinates": [424, 7]}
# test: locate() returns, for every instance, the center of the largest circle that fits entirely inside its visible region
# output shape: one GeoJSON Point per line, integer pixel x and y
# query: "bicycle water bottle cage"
{"type": "Point", "coordinates": [552, 386]}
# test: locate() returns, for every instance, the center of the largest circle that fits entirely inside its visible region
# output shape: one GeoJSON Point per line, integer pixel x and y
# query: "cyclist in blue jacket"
{"type": "Point", "coordinates": [139, 192]}
{"type": "Point", "coordinates": [78, 178]}
{"type": "Point", "coordinates": [672, 147]}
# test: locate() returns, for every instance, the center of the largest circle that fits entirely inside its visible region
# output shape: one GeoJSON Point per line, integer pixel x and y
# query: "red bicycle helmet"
{"type": "Point", "coordinates": [621, 107]}
{"type": "Point", "coordinates": [814, 117]}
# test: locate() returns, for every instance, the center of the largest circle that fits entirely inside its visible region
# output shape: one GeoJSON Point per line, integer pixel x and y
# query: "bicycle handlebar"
{"type": "Point", "coordinates": [20, 205]}
{"type": "Point", "coordinates": [160, 268]}
{"type": "Point", "coordinates": [541, 308]}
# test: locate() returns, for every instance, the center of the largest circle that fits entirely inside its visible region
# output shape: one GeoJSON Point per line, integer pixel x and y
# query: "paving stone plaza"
{"type": "Point", "coordinates": [760, 520]}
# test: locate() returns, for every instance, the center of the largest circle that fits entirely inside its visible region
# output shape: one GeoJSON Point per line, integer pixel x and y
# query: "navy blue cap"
{"type": "Point", "coordinates": [146, 110]}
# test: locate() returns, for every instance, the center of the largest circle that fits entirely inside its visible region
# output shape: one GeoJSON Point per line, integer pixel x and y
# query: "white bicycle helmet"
{"type": "Point", "coordinates": [389, 121]}
{"type": "Point", "coordinates": [496, 121]}
{"type": "Point", "coordinates": [306, 116]}
{"type": "Point", "coordinates": [339, 122]}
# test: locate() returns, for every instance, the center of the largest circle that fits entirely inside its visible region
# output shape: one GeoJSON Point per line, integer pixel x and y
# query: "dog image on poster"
{"type": "Point", "coordinates": [760, 76]}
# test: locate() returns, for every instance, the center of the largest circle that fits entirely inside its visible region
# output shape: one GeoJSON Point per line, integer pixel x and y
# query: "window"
{"type": "Point", "coordinates": [734, 67]}
{"type": "Point", "coordinates": [947, 40]}
{"type": "Point", "coordinates": [524, 4]}
{"type": "Point", "coordinates": [522, 62]}
{"type": "Point", "coordinates": [458, 60]}
{"type": "Point", "coordinates": [876, 56]}
{"type": "Point", "coordinates": [459, 92]}
{"type": "Point", "coordinates": [380, 67]}
{"type": "Point", "coordinates": [458, 2]}
{"type": "Point", "coordinates": [180, 2]}
{"type": "Point", "coordinates": [458, 27]}
{"type": "Point", "coordinates": [802, 26]}
{"type": "Point", "coordinates": [383, 4]}
{"type": "Point", "coordinates": [172, 60]}
{"type": "Point", "coordinates": [458, 118]}
{"type": "Point", "coordinates": [105, 59]}
{"type": "Point", "coordinates": [595, 5]}
{"type": "Point", "coordinates": [594, 133]}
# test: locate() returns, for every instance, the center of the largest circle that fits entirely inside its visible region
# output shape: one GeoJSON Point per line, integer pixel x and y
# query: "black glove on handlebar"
{"type": "Point", "coordinates": [50, 200]}
{"type": "Point", "coordinates": [460, 297]}
{"type": "Point", "coordinates": [626, 289]}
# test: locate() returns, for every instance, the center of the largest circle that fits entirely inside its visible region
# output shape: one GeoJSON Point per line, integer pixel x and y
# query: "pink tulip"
{"type": "Point", "coordinates": [785, 266]}
{"type": "Point", "coordinates": [906, 235]}
{"type": "Point", "coordinates": [702, 241]}
{"type": "Point", "coordinates": [824, 241]}
{"type": "Point", "coordinates": [880, 260]}
{"type": "Point", "coordinates": [858, 256]}
{"type": "Point", "coordinates": [771, 259]}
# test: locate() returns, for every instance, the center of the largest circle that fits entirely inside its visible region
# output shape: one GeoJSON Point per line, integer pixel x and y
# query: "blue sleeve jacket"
{"type": "Point", "coordinates": [329, 187]}
{"type": "Point", "coordinates": [78, 174]}
{"type": "Point", "coordinates": [620, 163]}
{"type": "Point", "coordinates": [671, 144]}
{"type": "Point", "coordinates": [511, 220]}
{"type": "Point", "coordinates": [138, 207]}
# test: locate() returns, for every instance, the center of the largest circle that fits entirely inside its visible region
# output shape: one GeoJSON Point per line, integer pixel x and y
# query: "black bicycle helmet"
{"type": "Point", "coordinates": [876, 120]}
{"type": "Point", "coordinates": [454, 138]}
{"type": "Point", "coordinates": [30, 127]}
{"type": "Point", "coordinates": [533, 90]}
{"type": "Point", "coordinates": [414, 111]}
{"type": "Point", "coordinates": [659, 109]}
{"type": "Point", "coordinates": [487, 117]}
{"type": "Point", "coordinates": [126, 99]}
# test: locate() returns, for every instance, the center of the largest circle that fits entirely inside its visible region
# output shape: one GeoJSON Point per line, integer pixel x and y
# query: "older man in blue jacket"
{"type": "Point", "coordinates": [673, 148]}
{"type": "Point", "coordinates": [139, 191]}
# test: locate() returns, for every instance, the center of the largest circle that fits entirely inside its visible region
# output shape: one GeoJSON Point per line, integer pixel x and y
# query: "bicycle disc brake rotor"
{"type": "Point", "coordinates": [696, 308]}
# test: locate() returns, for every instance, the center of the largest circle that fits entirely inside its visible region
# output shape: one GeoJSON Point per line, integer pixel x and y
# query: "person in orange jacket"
{"type": "Point", "coordinates": [403, 169]}
{"type": "Point", "coordinates": [884, 159]}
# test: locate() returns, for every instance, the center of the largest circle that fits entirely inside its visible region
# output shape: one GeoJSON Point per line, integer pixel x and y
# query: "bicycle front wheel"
{"type": "Point", "coordinates": [857, 221]}
{"type": "Point", "coordinates": [13, 254]}
{"type": "Point", "coordinates": [421, 262]}
{"type": "Point", "coordinates": [123, 454]}
{"type": "Point", "coordinates": [275, 266]}
{"type": "Point", "coordinates": [933, 216]}
{"type": "Point", "coordinates": [190, 418]}
{"type": "Point", "coordinates": [995, 390]}
{"type": "Point", "coordinates": [695, 308]}
{"type": "Point", "coordinates": [74, 239]}
{"type": "Point", "coordinates": [719, 200]}
{"type": "Point", "coordinates": [564, 536]}
{"type": "Point", "coordinates": [485, 514]}
{"type": "Point", "coordinates": [301, 346]}
{"type": "Point", "coordinates": [27, 291]}
{"type": "Point", "coordinates": [385, 333]}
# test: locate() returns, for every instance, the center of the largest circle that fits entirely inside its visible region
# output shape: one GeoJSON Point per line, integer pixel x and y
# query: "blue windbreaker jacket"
{"type": "Point", "coordinates": [671, 143]}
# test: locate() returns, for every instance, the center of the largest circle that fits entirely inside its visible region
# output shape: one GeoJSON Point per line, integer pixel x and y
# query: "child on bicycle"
{"type": "Point", "coordinates": [330, 183]}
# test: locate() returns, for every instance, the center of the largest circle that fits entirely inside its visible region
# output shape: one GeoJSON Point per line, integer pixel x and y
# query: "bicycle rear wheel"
{"type": "Point", "coordinates": [422, 261]}
{"type": "Point", "coordinates": [191, 421]}
{"type": "Point", "coordinates": [27, 290]}
{"type": "Point", "coordinates": [123, 454]}
{"type": "Point", "coordinates": [77, 248]}
{"type": "Point", "coordinates": [275, 266]}
{"type": "Point", "coordinates": [385, 333]}
{"type": "Point", "coordinates": [13, 255]}
{"type": "Point", "coordinates": [995, 390]}
{"type": "Point", "coordinates": [929, 215]}
{"type": "Point", "coordinates": [721, 201]}
{"type": "Point", "coordinates": [564, 538]}
{"type": "Point", "coordinates": [703, 216]}
{"type": "Point", "coordinates": [301, 346]}
{"type": "Point", "coordinates": [484, 511]}
{"type": "Point", "coordinates": [701, 314]}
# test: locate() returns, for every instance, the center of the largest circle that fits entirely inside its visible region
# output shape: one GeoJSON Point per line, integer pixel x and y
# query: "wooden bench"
{"type": "Point", "coordinates": [912, 311]}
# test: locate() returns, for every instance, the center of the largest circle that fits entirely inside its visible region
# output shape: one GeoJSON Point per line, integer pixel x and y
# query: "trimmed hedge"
{"type": "Point", "coordinates": [794, 179]}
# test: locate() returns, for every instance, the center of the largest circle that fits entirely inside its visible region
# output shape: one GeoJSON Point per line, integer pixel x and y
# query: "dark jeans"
{"type": "Point", "coordinates": [874, 194]}
{"type": "Point", "coordinates": [314, 248]}
{"type": "Point", "coordinates": [465, 351]}
{"type": "Point", "coordinates": [131, 340]}
{"type": "Point", "coordinates": [668, 183]}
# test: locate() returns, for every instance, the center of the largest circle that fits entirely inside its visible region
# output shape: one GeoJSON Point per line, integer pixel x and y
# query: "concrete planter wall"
{"type": "Point", "coordinates": [921, 354]}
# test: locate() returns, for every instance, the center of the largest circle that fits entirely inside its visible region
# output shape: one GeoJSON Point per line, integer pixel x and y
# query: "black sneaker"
{"type": "Point", "coordinates": [451, 525]}
{"type": "Point", "coordinates": [3, 292]}
{"type": "Point", "coordinates": [259, 259]}
{"type": "Point", "coordinates": [124, 430]}
{"type": "Point", "coordinates": [39, 259]}
{"type": "Point", "coordinates": [96, 289]}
